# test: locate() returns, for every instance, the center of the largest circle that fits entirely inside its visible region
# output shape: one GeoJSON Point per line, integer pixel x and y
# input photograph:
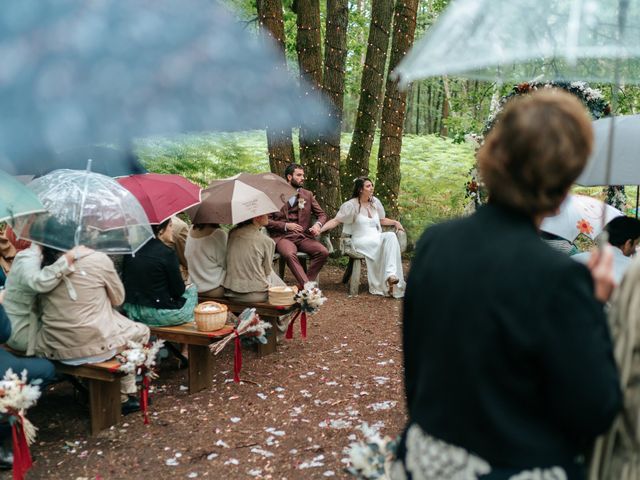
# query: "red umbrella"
{"type": "Point", "coordinates": [162, 195]}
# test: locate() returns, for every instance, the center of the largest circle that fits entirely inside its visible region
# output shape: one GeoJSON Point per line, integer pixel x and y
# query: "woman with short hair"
{"type": "Point", "coordinates": [508, 361]}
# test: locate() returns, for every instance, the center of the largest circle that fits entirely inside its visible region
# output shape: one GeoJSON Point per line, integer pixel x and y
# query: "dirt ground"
{"type": "Point", "coordinates": [291, 419]}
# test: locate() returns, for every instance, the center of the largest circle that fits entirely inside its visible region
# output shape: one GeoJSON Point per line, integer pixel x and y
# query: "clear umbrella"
{"type": "Point", "coordinates": [522, 40]}
{"type": "Point", "coordinates": [624, 148]}
{"type": "Point", "coordinates": [77, 73]}
{"type": "Point", "coordinates": [85, 208]}
{"type": "Point", "coordinates": [15, 199]}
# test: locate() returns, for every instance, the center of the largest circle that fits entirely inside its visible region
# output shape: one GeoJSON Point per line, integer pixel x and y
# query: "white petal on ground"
{"type": "Point", "coordinates": [386, 405]}
{"type": "Point", "coordinates": [261, 451]}
{"type": "Point", "coordinates": [316, 462]}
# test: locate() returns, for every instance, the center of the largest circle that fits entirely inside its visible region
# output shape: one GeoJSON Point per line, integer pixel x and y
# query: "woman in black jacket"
{"type": "Point", "coordinates": [508, 360]}
{"type": "Point", "coordinates": [155, 292]}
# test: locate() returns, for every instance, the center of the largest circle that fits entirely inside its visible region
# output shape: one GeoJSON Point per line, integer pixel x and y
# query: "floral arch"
{"type": "Point", "coordinates": [592, 99]}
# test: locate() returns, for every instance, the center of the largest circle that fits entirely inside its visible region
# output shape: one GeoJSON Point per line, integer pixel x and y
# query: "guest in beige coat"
{"type": "Point", "coordinates": [250, 262]}
{"type": "Point", "coordinates": [79, 322]}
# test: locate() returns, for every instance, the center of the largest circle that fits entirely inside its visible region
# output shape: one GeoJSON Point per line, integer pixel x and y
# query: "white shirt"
{"type": "Point", "coordinates": [620, 262]}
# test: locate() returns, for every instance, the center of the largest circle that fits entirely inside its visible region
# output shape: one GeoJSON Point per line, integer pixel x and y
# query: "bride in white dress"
{"type": "Point", "coordinates": [362, 217]}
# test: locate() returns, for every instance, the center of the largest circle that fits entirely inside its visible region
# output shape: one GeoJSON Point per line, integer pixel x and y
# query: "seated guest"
{"type": "Point", "coordinates": [79, 322]}
{"type": "Point", "coordinates": [206, 254]}
{"type": "Point", "coordinates": [26, 281]}
{"type": "Point", "coordinates": [7, 254]}
{"type": "Point", "coordinates": [250, 262]}
{"type": "Point", "coordinates": [296, 226]}
{"type": "Point", "coordinates": [38, 369]}
{"type": "Point", "coordinates": [624, 235]}
{"type": "Point", "coordinates": [155, 292]}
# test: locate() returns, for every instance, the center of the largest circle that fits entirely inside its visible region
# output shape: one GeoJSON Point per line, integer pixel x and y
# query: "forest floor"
{"type": "Point", "coordinates": [292, 418]}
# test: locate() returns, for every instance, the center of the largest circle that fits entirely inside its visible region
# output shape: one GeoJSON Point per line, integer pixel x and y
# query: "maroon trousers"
{"type": "Point", "coordinates": [318, 253]}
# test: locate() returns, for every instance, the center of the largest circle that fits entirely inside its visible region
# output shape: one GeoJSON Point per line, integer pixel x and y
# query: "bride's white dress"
{"type": "Point", "coordinates": [380, 249]}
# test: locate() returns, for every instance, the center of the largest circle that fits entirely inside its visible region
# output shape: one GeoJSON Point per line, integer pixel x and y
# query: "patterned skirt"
{"type": "Point", "coordinates": [164, 317]}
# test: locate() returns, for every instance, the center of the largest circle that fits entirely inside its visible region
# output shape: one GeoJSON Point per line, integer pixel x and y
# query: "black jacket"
{"type": "Point", "coordinates": [152, 277]}
{"type": "Point", "coordinates": [506, 351]}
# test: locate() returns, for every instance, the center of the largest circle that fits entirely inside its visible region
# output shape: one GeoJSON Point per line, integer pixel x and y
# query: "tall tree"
{"type": "Point", "coordinates": [370, 92]}
{"type": "Point", "coordinates": [335, 55]}
{"type": "Point", "coordinates": [279, 142]}
{"type": "Point", "coordinates": [309, 50]}
{"type": "Point", "coordinates": [446, 106]}
{"type": "Point", "coordinates": [388, 176]}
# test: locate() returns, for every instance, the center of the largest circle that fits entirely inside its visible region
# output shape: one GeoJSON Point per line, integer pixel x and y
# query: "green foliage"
{"type": "Point", "coordinates": [204, 157]}
{"type": "Point", "coordinates": [433, 169]}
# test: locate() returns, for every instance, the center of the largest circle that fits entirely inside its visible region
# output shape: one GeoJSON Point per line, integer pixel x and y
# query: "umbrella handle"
{"type": "Point", "coordinates": [76, 235]}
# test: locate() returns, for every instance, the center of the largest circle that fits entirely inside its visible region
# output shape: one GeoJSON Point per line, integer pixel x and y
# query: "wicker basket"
{"type": "Point", "coordinates": [282, 295]}
{"type": "Point", "coordinates": [210, 316]}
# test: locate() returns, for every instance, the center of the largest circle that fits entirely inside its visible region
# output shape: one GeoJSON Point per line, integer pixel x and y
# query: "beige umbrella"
{"type": "Point", "coordinates": [242, 197]}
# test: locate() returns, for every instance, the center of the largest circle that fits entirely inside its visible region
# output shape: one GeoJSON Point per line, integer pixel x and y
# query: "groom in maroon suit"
{"type": "Point", "coordinates": [293, 231]}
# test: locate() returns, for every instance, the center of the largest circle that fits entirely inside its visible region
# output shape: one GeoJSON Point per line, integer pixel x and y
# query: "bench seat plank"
{"type": "Point", "coordinates": [188, 333]}
{"type": "Point", "coordinates": [105, 371]}
{"type": "Point", "coordinates": [200, 357]}
{"type": "Point", "coordinates": [267, 312]}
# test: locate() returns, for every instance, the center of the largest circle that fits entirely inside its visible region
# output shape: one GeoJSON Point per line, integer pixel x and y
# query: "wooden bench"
{"type": "Point", "coordinates": [200, 357]}
{"type": "Point", "coordinates": [268, 313]}
{"type": "Point", "coordinates": [354, 268]}
{"type": "Point", "coordinates": [103, 380]}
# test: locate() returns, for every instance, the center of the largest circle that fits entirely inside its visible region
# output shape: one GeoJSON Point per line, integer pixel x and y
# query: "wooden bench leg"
{"type": "Point", "coordinates": [348, 272]}
{"type": "Point", "coordinates": [354, 281]}
{"type": "Point", "coordinates": [104, 404]}
{"type": "Point", "coordinates": [200, 368]}
{"type": "Point", "coordinates": [271, 345]}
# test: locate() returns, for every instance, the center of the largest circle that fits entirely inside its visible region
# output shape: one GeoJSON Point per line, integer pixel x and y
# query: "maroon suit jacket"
{"type": "Point", "coordinates": [305, 217]}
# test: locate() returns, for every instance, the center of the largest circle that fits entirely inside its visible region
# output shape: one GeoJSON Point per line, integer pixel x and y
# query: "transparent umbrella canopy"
{"type": "Point", "coordinates": [85, 208]}
{"type": "Point", "coordinates": [16, 199]}
{"type": "Point", "coordinates": [523, 40]}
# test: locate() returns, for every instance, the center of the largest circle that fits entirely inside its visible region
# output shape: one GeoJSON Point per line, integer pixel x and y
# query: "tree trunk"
{"type": "Point", "coordinates": [418, 111]}
{"type": "Point", "coordinates": [370, 93]}
{"type": "Point", "coordinates": [388, 177]}
{"type": "Point", "coordinates": [444, 132]}
{"type": "Point", "coordinates": [411, 104]}
{"type": "Point", "coordinates": [279, 142]}
{"type": "Point", "coordinates": [335, 57]}
{"type": "Point", "coordinates": [308, 47]}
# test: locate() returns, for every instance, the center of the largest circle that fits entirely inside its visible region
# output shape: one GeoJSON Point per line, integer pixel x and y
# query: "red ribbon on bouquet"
{"type": "Point", "coordinates": [237, 358]}
{"type": "Point", "coordinates": [144, 399]}
{"type": "Point", "coordinates": [303, 325]}
{"type": "Point", "coordinates": [21, 456]}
